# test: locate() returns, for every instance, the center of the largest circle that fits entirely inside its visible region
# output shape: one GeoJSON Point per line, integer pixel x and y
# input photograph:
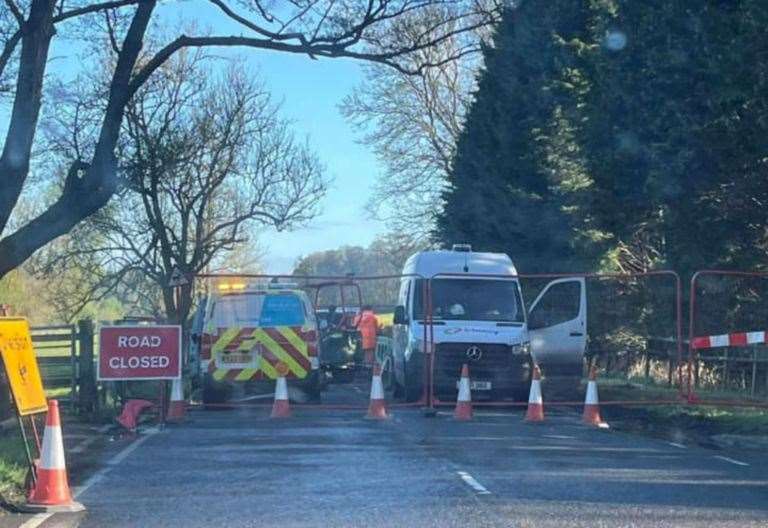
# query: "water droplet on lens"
{"type": "Point", "coordinates": [615, 40]}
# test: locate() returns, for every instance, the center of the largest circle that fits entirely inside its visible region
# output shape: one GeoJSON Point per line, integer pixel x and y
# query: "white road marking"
{"type": "Point", "coordinates": [472, 483]}
{"type": "Point", "coordinates": [40, 518]}
{"type": "Point", "coordinates": [37, 520]}
{"type": "Point", "coordinates": [485, 414]}
{"type": "Point", "coordinates": [481, 438]}
{"type": "Point", "coordinates": [254, 397]}
{"type": "Point", "coordinates": [731, 460]}
{"type": "Point", "coordinates": [675, 444]}
{"type": "Point", "coordinates": [559, 437]}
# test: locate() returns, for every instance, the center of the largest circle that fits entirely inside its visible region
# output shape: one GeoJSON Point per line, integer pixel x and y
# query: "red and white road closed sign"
{"type": "Point", "coordinates": [139, 352]}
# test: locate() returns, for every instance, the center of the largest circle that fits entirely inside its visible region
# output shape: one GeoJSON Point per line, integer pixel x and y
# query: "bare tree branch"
{"type": "Point", "coordinates": [94, 8]}
{"type": "Point", "coordinates": [413, 122]}
{"type": "Point", "coordinates": [389, 32]}
{"type": "Point", "coordinates": [205, 162]}
{"type": "Point", "coordinates": [84, 192]}
{"type": "Point", "coordinates": [15, 11]}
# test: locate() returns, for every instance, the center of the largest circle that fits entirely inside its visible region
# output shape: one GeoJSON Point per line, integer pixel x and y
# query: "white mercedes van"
{"type": "Point", "coordinates": [479, 318]}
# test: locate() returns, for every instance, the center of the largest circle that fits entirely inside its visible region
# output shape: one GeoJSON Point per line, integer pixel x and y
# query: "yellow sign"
{"type": "Point", "coordinates": [21, 366]}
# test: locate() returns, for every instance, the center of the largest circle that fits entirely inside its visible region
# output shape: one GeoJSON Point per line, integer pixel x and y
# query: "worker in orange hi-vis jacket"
{"type": "Point", "coordinates": [367, 324]}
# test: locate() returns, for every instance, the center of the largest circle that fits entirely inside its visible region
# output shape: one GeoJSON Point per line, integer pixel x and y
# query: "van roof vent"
{"type": "Point", "coordinates": [462, 248]}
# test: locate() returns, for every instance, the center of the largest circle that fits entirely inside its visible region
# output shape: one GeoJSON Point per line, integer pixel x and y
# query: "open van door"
{"type": "Point", "coordinates": [557, 326]}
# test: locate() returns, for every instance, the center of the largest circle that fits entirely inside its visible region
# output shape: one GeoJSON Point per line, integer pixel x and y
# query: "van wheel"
{"type": "Point", "coordinates": [214, 393]}
{"type": "Point", "coordinates": [520, 395]}
{"type": "Point", "coordinates": [397, 391]}
{"type": "Point", "coordinates": [412, 392]}
{"type": "Point", "coordinates": [413, 381]}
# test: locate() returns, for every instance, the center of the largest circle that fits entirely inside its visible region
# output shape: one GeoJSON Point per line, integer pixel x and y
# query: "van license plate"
{"type": "Point", "coordinates": [477, 385]}
{"type": "Point", "coordinates": [480, 385]}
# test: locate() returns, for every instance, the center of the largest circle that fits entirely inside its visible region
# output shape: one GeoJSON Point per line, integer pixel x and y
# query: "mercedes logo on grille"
{"type": "Point", "coordinates": [474, 353]}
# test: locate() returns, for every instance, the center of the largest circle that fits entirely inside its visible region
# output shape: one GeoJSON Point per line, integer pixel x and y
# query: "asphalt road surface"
{"type": "Point", "coordinates": [333, 469]}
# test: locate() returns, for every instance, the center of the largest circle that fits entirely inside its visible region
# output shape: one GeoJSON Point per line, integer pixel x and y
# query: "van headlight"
{"type": "Point", "coordinates": [522, 349]}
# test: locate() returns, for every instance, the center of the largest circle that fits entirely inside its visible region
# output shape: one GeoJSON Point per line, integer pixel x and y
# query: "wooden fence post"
{"type": "Point", "coordinates": [6, 405]}
{"type": "Point", "coordinates": [87, 376]}
{"type": "Point", "coordinates": [73, 366]}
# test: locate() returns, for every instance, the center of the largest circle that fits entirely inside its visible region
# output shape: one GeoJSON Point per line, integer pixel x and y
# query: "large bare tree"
{"type": "Point", "coordinates": [206, 160]}
{"type": "Point", "coordinates": [412, 122]}
{"type": "Point", "coordinates": [382, 31]}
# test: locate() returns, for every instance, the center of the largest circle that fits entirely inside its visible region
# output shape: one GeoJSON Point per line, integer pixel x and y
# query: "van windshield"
{"type": "Point", "coordinates": [258, 310]}
{"type": "Point", "coordinates": [472, 300]}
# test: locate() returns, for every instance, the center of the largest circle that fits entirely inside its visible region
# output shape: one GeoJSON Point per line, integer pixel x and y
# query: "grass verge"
{"type": "Point", "coordinates": [13, 466]}
{"type": "Point", "coordinates": [700, 424]}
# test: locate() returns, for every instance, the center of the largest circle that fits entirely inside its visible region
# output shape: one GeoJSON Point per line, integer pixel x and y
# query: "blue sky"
{"type": "Point", "coordinates": [310, 91]}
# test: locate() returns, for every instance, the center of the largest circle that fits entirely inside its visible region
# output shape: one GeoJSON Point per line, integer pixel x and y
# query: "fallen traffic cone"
{"type": "Point", "coordinates": [591, 403]}
{"type": "Point", "coordinates": [129, 418]}
{"type": "Point", "coordinates": [281, 408]}
{"type": "Point", "coordinates": [463, 410]}
{"type": "Point", "coordinates": [377, 409]}
{"type": "Point", "coordinates": [535, 411]}
{"type": "Point", "coordinates": [177, 409]}
{"type": "Point", "coordinates": [51, 490]}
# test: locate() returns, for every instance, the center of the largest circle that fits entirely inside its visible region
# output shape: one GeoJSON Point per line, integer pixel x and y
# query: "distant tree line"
{"type": "Point", "coordinates": [616, 134]}
{"type": "Point", "coordinates": [383, 257]}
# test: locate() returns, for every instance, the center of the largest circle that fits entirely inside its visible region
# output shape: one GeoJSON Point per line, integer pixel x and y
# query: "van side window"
{"type": "Point", "coordinates": [561, 303]}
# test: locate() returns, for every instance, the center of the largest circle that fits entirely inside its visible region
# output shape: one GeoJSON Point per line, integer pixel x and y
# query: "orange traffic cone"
{"type": "Point", "coordinates": [463, 410]}
{"type": "Point", "coordinates": [535, 411]}
{"type": "Point", "coordinates": [281, 408]}
{"type": "Point", "coordinates": [377, 409]}
{"type": "Point", "coordinates": [51, 491]}
{"type": "Point", "coordinates": [178, 406]}
{"type": "Point", "coordinates": [591, 402]}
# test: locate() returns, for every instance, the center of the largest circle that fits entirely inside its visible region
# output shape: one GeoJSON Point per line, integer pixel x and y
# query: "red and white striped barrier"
{"type": "Point", "coordinates": [729, 340]}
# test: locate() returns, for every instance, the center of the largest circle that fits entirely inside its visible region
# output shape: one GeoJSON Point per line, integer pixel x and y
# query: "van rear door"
{"type": "Point", "coordinates": [557, 325]}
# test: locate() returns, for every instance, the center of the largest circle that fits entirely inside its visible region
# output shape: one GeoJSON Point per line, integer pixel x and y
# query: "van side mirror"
{"type": "Point", "coordinates": [399, 317]}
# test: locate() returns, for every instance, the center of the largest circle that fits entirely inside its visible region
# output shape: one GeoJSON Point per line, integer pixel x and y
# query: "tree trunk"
{"type": "Point", "coordinates": [178, 303]}
{"type": "Point", "coordinates": [88, 187]}
{"type": "Point", "coordinates": [14, 161]}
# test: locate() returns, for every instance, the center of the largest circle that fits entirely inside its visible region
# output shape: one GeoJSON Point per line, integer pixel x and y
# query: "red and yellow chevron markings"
{"type": "Point", "coordinates": [272, 346]}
